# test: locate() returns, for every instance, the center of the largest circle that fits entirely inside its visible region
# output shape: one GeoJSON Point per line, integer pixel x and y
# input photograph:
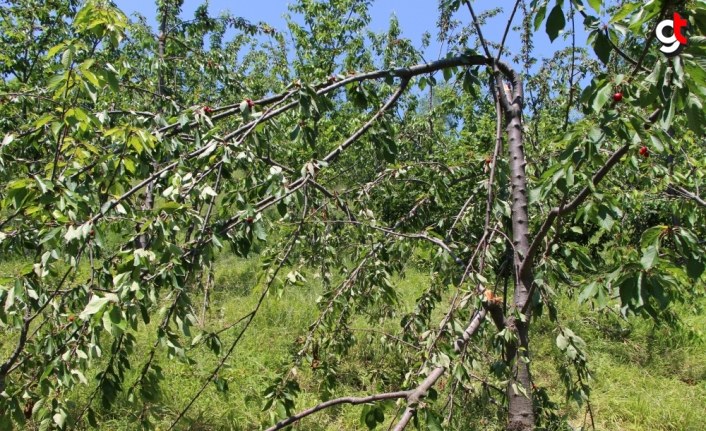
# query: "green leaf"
{"type": "Point", "coordinates": [96, 304]}
{"type": "Point", "coordinates": [448, 73]}
{"type": "Point", "coordinates": [38, 407]}
{"type": "Point", "coordinates": [695, 113]}
{"type": "Point", "coordinates": [657, 145]}
{"type": "Point", "coordinates": [368, 418]}
{"type": "Point", "coordinates": [651, 236]}
{"type": "Point", "coordinates": [539, 17]}
{"type": "Point", "coordinates": [596, 5]}
{"type": "Point", "coordinates": [60, 419]}
{"type": "Point", "coordinates": [629, 288]}
{"type": "Point", "coordinates": [470, 82]}
{"type": "Point", "coordinates": [433, 422]}
{"type": "Point", "coordinates": [588, 292]}
{"type": "Point", "coordinates": [624, 11]}
{"type": "Point", "coordinates": [555, 22]}
{"type": "Point", "coordinates": [694, 268]}
{"type": "Point", "coordinates": [649, 256]}
{"type": "Point", "coordinates": [8, 139]}
{"type": "Point", "coordinates": [602, 47]}
{"type": "Point", "coordinates": [562, 342]}
{"type": "Point", "coordinates": [244, 107]}
{"type": "Point", "coordinates": [601, 97]}
{"type": "Point", "coordinates": [605, 219]}
{"type": "Point", "coordinates": [54, 50]}
{"type": "Point", "coordinates": [91, 416]}
{"type": "Point", "coordinates": [110, 77]}
{"type": "Point", "coordinates": [656, 76]}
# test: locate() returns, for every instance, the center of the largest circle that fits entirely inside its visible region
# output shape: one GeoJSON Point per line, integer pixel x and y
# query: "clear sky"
{"type": "Point", "coordinates": [415, 17]}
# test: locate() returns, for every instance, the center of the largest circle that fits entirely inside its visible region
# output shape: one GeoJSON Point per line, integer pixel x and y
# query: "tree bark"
{"type": "Point", "coordinates": [519, 391]}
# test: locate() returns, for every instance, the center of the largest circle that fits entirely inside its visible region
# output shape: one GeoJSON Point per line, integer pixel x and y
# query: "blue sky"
{"type": "Point", "coordinates": [415, 17]}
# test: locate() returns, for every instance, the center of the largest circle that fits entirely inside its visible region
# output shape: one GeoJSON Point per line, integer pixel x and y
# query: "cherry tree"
{"type": "Point", "coordinates": [130, 159]}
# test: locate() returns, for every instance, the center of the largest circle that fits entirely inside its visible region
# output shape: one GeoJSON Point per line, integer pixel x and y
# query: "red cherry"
{"type": "Point", "coordinates": [644, 152]}
{"type": "Point", "coordinates": [618, 96]}
{"type": "Point", "coordinates": [249, 219]}
{"type": "Point", "coordinates": [488, 160]}
{"type": "Point", "coordinates": [250, 103]}
{"type": "Point", "coordinates": [207, 110]}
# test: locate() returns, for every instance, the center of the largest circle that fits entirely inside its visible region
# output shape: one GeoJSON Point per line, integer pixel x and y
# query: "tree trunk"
{"type": "Point", "coordinates": [519, 391]}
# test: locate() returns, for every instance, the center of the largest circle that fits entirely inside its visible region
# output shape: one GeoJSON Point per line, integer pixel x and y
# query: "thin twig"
{"type": "Point", "coordinates": [250, 318]}
{"type": "Point", "coordinates": [338, 401]}
{"type": "Point", "coordinates": [571, 206]}
{"type": "Point", "coordinates": [507, 30]}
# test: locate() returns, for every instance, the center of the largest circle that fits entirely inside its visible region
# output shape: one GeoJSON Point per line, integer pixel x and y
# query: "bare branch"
{"type": "Point", "coordinates": [569, 103]}
{"type": "Point", "coordinates": [421, 390]}
{"type": "Point", "coordinates": [338, 401]}
{"type": "Point", "coordinates": [493, 162]}
{"type": "Point", "coordinates": [686, 193]}
{"type": "Point", "coordinates": [476, 24]}
{"type": "Point", "coordinates": [387, 335]}
{"type": "Point", "coordinates": [333, 155]}
{"type": "Point", "coordinates": [507, 30]}
{"type": "Point", "coordinates": [436, 241]}
{"type": "Point", "coordinates": [649, 40]}
{"type": "Point", "coordinates": [616, 48]}
{"type": "Point", "coordinates": [571, 206]}
{"type": "Point", "coordinates": [329, 158]}
{"type": "Point", "coordinates": [250, 317]}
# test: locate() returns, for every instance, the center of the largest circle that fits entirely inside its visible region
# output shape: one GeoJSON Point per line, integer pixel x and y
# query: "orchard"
{"type": "Point", "coordinates": [218, 224]}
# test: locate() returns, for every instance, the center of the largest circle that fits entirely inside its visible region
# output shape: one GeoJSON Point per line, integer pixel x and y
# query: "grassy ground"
{"type": "Point", "coordinates": [645, 378]}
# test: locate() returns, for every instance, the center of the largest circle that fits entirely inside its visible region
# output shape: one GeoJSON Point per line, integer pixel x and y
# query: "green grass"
{"type": "Point", "coordinates": [261, 352]}
{"type": "Point", "coordinates": [264, 353]}
{"type": "Point", "coordinates": [645, 378]}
